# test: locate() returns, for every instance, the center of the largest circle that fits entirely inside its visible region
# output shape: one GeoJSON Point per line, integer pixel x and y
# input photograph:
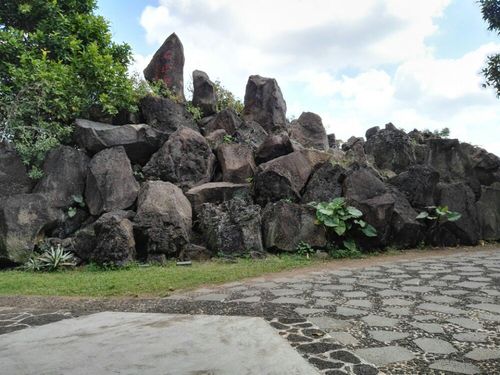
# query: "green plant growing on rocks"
{"type": "Point", "coordinates": [343, 220]}
{"type": "Point", "coordinates": [194, 110]}
{"type": "Point", "coordinates": [50, 259]}
{"type": "Point", "coordinates": [77, 202]}
{"type": "Point", "coordinates": [349, 250]}
{"type": "Point", "coordinates": [228, 139]}
{"type": "Point", "coordinates": [438, 214]}
{"type": "Point", "coordinates": [226, 99]}
{"type": "Point", "coordinates": [305, 249]}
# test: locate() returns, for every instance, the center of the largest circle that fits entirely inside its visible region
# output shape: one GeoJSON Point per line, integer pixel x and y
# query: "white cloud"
{"type": "Point", "coordinates": [308, 46]}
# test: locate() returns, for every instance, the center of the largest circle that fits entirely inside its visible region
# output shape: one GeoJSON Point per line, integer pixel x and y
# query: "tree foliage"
{"type": "Point", "coordinates": [57, 62]}
{"type": "Point", "coordinates": [491, 14]}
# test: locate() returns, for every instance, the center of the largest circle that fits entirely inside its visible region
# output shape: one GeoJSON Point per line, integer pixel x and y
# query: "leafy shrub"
{"type": "Point", "coordinates": [228, 139]}
{"type": "Point", "coordinates": [349, 250]}
{"type": "Point", "coordinates": [51, 259]}
{"type": "Point", "coordinates": [439, 214]}
{"type": "Point", "coordinates": [304, 249]}
{"type": "Point", "coordinates": [226, 99]}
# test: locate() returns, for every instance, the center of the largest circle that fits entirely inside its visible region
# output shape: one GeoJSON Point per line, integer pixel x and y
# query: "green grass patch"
{"type": "Point", "coordinates": [142, 281]}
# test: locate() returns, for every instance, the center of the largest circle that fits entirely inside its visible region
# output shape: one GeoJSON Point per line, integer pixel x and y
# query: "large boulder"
{"type": "Point", "coordinates": [233, 227]}
{"type": "Point", "coordinates": [274, 146]}
{"type": "Point", "coordinates": [236, 161]}
{"type": "Point", "coordinates": [204, 95]}
{"type": "Point", "coordinates": [458, 197]}
{"type": "Point", "coordinates": [114, 239]}
{"type": "Point", "coordinates": [485, 165]}
{"type": "Point", "coordinates": [264, 103]}
{"type": "Point", "coordinates": [418, 184]}
{"type": "Point", "coordinates": [13, 176]}
{"type": "Point", "coordinates": [251, 134]}
{"type": "Point", "coordinates": [309, 131]}
{"type": "Point", "coordinates": [167, 65]}
{"type": "Point", "coordinates": [285, 225]}
{"type": "Point", "coordinates": [355, 151]}
{"type": "Point", "coordinates": [64, 174]}
{"type": "Point", "coordinates": [488, 210]}
{"type": "Point", "coordinates": [24, 219]}
{"type": "Point", "coordinates": [391, 149]}
{"type": "Point", "coordinates": [164, 219]}
{"type": "Point", "coordinates": [406, 230]}
{"type": "Point", "coordinates": [165, 115]}
{"type": "Point", "coordinates": [286, 176]}
{"type": "Point", "coordinates": [110, 182]}
{"type": "Point", "coordinates": [216, 193]}
{"type": "Point", "coordinates": [332, 140]}
{"type": "Point", "coordinates": [325, 183]}
{"type": "Point", "coordinates": [186, 160]}
{"type": "Point", "coordinates": [226, 119]}
{"type": "Point", "coordinates": [140, 141]}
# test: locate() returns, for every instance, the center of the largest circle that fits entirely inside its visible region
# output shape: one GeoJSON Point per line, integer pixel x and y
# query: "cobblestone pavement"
{"type": "Point", "coordinates": [439, 315]}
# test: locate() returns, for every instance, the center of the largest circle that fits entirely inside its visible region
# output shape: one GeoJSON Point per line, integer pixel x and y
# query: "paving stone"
{"type": "Point", "coordinates": [323, 365]}
{"type": "Point", "coordinates": [441, 308]}
{"type": "Point", "coordinates": [305, 311]}
{"type": "Point", "coordinates": [418, 289]}
{"type": "Point", "coordinates": [402, 311]}
{"type": "Point", "coordinates": [323, 303]}
{"type": "Point", "coordinates": [441, 299]}
{"type": "Point", "coordinates": [438, 283]}
{"type": "Point", "coordinates": [266, 285]}
{"type": "Point", "coordinates": [329, 324]}
{"type": "Point", "coordinates": [466, 323]}
{"type": "Point", "coordinates": [435, 346]}
{"type": "Point", "coordinates": [428, 327]}
{"type": "Point", "coordinates": [471, 337]}
{"type": "Point", "coordinates": [455, 367]}
{"type": "Point", "coordinates": [355, 294]}
{"type": "Point", "coordinates": [384, 355]}
{"type": "Point", "coordinates": [337, 287]}
{"type": "Point", "coordinates": [373, 284]}
{"type": "Point", "coordinates": [490, 307]}
{"type": "Point", "coordinates": [363, 369]}
{"type": "Point", "coordinates": [301, 286]}
{"type": "Point", "coordinates": [359, 303]}
{"type": "Point", "coordinates": [318, 347]}
{"type": "Point", "coordinates": [393, 293]}
{"type": "Point", "coordinates": [379, 321]}
{"type": "Point", "coordinates": [451, 278]}
{"type": "Point", "coordinates": [286, 292]}
{"type": "Point", "coordinates": [483, 354]}
{"type": "Point", "coordinates": [491, 292]}
{"type": "Point", "coordinates": [490, 317]}
{"type": "Point", "coordinates": [344, 338]}
{"type": "Point", "coordinates": [347, 280]}
{"type": "Point", "coordinates": [480, 279]}
{"type": "Point", "coordinates": [471, 285]}
{"type": "Point", "coordinates": [347, 311]}
{"type": "Point", "coordinates": [340, 273]}
{"type": "Point", "coordinates": [250, 293]}
{"type": "Point", "coordinates": [322, 294]}
{"type": "Point", "coordinates": [212, 297]}
{"type": "Point", "coordinates": [387, 336]}
{"type": "Point", "coordinates": [248, 299]}
{"type": "Point", "coordinates": [454, 292]}
{"type": "Point", "coordinates": [397, 302]}
{"type": "Point", "coordinates": [411, 282]}
{"type": "Point", "coordinates": [344, 356]}
{"type": "Point", "coordinates": [289, 301]}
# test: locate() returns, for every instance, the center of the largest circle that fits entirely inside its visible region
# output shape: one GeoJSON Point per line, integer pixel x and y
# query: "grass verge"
{"type": "Point", "coordinates": [142, 281]}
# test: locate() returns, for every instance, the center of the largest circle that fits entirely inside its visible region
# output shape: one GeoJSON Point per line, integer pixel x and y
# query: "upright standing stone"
{"type": "Point", "coordinates": [309, 131]}
{"type": "Point", "coordinates": [264, 103]}
{"type": "Point", "coordinates": [204, 95]}
{"type": "Point", "coordinates": [13, 176]}
{"type": "Point", "coordinates": [167, 65]}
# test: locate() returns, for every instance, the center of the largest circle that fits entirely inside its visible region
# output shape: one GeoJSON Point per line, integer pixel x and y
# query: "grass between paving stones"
{"type": "Point", "coordinates": [142, 281]}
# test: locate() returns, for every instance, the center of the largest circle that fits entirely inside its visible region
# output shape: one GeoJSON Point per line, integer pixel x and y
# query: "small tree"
{"type": "Point", "coordinates": [491, 14]}
{"type": "Point", "coordinates": [57, 63]}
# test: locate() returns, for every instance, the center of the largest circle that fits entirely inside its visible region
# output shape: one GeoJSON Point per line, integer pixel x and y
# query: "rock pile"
{"type": "Point", "coordinates": [179, 188]}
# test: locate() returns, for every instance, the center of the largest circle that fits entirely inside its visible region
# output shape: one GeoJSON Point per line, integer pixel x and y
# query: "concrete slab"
{"type": "Point", "coordinates": [136, 343]}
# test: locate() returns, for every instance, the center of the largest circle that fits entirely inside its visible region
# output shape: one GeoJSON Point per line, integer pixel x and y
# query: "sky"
{"type": "Point", "coordinates": [357, 63]}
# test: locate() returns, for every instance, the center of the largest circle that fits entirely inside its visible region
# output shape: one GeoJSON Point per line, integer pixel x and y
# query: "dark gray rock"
{"type": "Point", "coordinates": [251, 134]}
{"type": "Point", "coordinates": [216, 193]}
{"type": "Point", "coordinates": [309, 131]}
{"type": "Point", "coordinates": [13, 175]}
{"type": "Point", "coordinates": [233, 227]}
{"type": "Point", "coordinates": [216, 138]}
{"type": "Point", "coordinates": [186, 160]}
{"type": "Point", "coordinates": [167, 65]}
{"type": "Point", "coordinates": [418, 184]}
{"type": "Point", "coordinates": [486, 166]}
{"type": "Point", "coordinates": [332, 140]}
{"type": "Point", "coordinates": [264, 103]}
{"type": "Point", "coordinates": [140, 141]}
{"type": "Point", "coordinates": [84, 243]}
{"type": "Point", "coordinates": [286, 176]}
{"type": "Point", "coordinates": [165, 115]}
{"type": "Point", "coordinates": [195, 252]}
{"type": "Point", "coordinates": [226, 119]}
{"type": "Point", "coordinates": [164, 219]}
{"type": "Point", "coordinates": [204, 95]}
{"type": "Point", "coordinates": [371, 132]}
{"type": "Point", "coordinates": [391, 149]}
{"type": "Point", "coordinates": [236, 161]}
{"type": "Point", "coordinates": [110, 183]}
{"type": "Point", "coordinates": [64, 175]}
{"type": "Point", "coordinates": [354, 150]}
{"type": "Point", "coordinates": [285, 225]}
{"type": "Point", "coordinates": [325, 183]}
{"type": "Point", "coordinates": [274, 146]}
{"type": "Point", "coordinates": [488, 210]}
{"type": "Point", "coordinates": [24, 220]}
{"type": "Point", "coordinates": [114, 239]}
{"type": "Point", "coordinates": [406, 231]}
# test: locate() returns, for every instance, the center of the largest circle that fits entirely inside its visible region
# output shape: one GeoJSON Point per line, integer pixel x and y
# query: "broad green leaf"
{"type": "Point", "coordinates": [354, 211]}
{"type": "Point", "coordinates": [453, 216]}
{"type": "Point", "coordinates": [340, 228]}
{"type": "Point", "coordinates": [422, 215]}
{"type": "Point", "coordinates": [369, 231]}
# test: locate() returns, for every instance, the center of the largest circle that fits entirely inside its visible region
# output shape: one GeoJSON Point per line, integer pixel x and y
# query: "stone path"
{"type": "Point", "coordinates": [439, 315]}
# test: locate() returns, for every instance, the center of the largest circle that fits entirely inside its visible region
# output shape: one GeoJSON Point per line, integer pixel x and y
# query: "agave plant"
{"type": "Point", "coordinates": [51, 259]}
